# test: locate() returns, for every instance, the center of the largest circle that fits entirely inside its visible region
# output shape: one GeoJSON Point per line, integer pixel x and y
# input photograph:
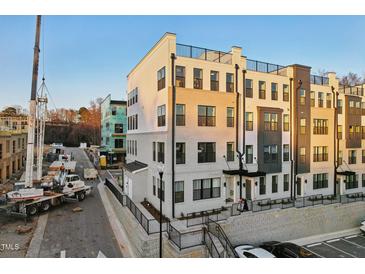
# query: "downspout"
{"type": "Point", "coordinates": [335, 140]}
{"type": "Point", "coordinates": [173, 57]}
{"type": "Point", "coordinates": [296, 139]}
{"type": "Point", "coordinates": [237, 104]}
{"type": "Point", "coordinates": [291, 140]}
{"type": "Point", "coordinates": [244, 111]}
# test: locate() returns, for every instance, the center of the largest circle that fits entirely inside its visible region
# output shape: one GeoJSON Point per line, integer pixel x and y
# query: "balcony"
{"type": "Point", "coordinates": [203, 54]}
{"type": "Point", "coordinates": [319, 80]}
{"type": "Point", "coordinates": [264, 67]}
{"type": "Point", "coordinates": [354, 90]}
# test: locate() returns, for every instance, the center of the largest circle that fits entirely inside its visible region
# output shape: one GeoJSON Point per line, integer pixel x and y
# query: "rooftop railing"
{"type": "Point", "coordinates": [264, 67]}
{"type": "Point", "coordinates": [354, 90]}
{"type": "Point", "coordinates": [203, 54]}
{"type": "Point", "coordinates": [319, 80]}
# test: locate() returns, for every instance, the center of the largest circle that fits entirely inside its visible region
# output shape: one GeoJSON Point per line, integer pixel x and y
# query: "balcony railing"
{"type": "Point", "coordinates": [259, 66]}
{"type": "Point", "coordinates": [354, 90]}
{"type": "Point", "coordinates": [203, 54]}
{"type": "Point", "coordinates": [319, 80]}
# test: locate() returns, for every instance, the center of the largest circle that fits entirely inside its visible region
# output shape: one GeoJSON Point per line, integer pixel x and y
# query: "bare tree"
{"type": "Point", "coordinates": [351, 79]}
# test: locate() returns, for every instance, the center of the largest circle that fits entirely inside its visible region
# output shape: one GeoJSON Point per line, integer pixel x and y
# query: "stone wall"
{"type": "Point", "coordinates": [293, 223]}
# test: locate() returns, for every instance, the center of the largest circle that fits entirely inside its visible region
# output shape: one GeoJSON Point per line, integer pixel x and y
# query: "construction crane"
{"type": "Point", "coordinates": [41, 119]}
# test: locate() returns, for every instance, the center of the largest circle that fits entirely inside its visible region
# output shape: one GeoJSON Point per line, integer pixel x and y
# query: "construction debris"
{"type": "Point", "coordinates": [23, 229]}
{"type": "Point", "coordinates": [77, 209]}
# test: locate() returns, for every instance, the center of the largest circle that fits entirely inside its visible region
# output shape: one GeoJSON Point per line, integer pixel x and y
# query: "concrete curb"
{"type": "Point", "coordinates": [35, 244]}
{"type": "Point", "coordinates": [118, 230]}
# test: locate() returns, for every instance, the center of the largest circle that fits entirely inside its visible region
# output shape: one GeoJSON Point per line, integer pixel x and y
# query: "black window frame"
{"type": "Point", "coordinates": [270, 157]}
{"type": "Point", "coordinates": [274, 91]}
{"type": "Point", "coordinates": [198, 81]}
{"type": "Point", "coordinates": [248, 123]}
{"type": "Point", "coordinates": [206, 120]}
{"type": "Point", "coordinates": [161, 116]}
{"type": "Point", "coordinates": [180, 77]}
{"type": "Point", "coordinates": [249, 88]}
{"type": "Point", "coordinates": [205, 156]}
{"type": "Point", "coordinates": [161, 78]}
{"type": "Point", "coordinates": [230, 153]}
{"type": "Point", "coordinates": [214, 84]}
{"type": "Point", "coordinates": [179, 195]}
{"type": "Point", "coordinates": [230, 119]}
{"type": "Point", "coordinates": [229, 84]}
{"type": "Point", "coordinates": [180, 153]}
{"type": "Point", "coordinates": [262, 92]}
{"type": "Point", "coordinates": [180, 118]}
{"type": "Point", "coordinates": [161, 152]}
{"type": "Point", "coordinates": [206, 193]}
{"type": "Point", "coordinates": [249, 156]}
{"type": "Point", "coordinates": [274, 184]}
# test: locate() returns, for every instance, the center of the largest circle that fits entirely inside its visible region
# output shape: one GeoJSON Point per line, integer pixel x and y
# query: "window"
{"type": "Point", "coordinates": [274, 91]}
{"type": "Point", "coordinates": [249, 88]}
{"type": "Point", "coordinates": [132, 122]}
{"type": "Point", "coordinates": [198, 78]}
{"type": "Point", "coordinates": [363, 132]}
{"type": "Point", "coordinates": [320, 99]}
{"type": "Point", "coordinates": [161, 189]}
{"type": "Point", "coordinates": [302, 155]}
{"type": "Point", "coordinates": [339, 106]}
{"type": "Point", "coordinates": [286, 182]}
{"type": "Point", "coordinates": [352, 157]}
{"type": "Point", "coordinates": [286, 122]}
{"type": "Point", "coordinates": [132, 97]}
{"type": "Point", "coordinates": [179, 191]}
{"type": "Point", "coordinates": [118, 128]}
{"type": "Point", "coordinates": [180, 115]}
{"type": "Point", "coordinates": [262, 186]}
{"type": "Point", "coordinates": [206, 152]}
{"type": "Point", "coordinates": [161, 77]}
{"type": "Point", "coordinates": [363, 180]}
{"type": "Point", "coordinates": [320, 154]}
{"type": "Point", "coordinates": [153, 151]}
{"type": "Point", "coordinates": [229, 82]}
{"type": "Point", "coordinates": [180, 153]}
{"type": "Point", "coordinates": [161, 152]}
{"type": "Point", "coordinates": [180, 76]}
{"type": "Point", "coordinates": [320, 180]}
{"type": "Point", "coordinates": [270, 121]}
{"type": "Point", "coordinates": [23, 143]}
{"type": "Point", "coordinates": [340, 157]}
{"type": "Point", "coordinates": [14, 146]}
{"type": "Point", "coordinates": [118, 143]}
{"type": "Point", "coordinates": [339, 132]}
{"type": "Point", "coordinates": [313, 99]}
{"type": "Point", "coordinates": [214, 80]}
{"type": "Point", "coordinates": [302, 125]}
{"type": "Point", "coordinates": [206, 188]}
{"type": "Point", "coordinates": [362, 108]}
{"type": "Point", "coordinates": [285, 152]}
{"type": "Point", "coordinates": [320, 126]}
{"type": "Point", "coordinates": [270, 154]}
{"type": "Point", "coordinates": [328, 100]}
{"type": "Point", "coordinates": [351, 181]}
{"type": "Point", "coordinates": [249, 154]}
{"type": "Point", "coordinates": [206, 116]}
{"type": "Point", "coordinates": [230, 117]}
{"type": "Point", "coordinates": [230, 151]}
{"type": "Point", "coordinates": [1, 153]}
{"type": "Point", "coordinates": [363, 156]}
{"type": "Point", "coordinates": [161, 116]}
{"type": "Point", "coordinates": [18, 143]}
{"type": "Point", "coordinates": [285, 93]}
{"type": "Point", "coordinates": [153, 185]}
{"type": "Point", "coordinates": [274, 184]}
{"type": "Point", "coordinates": [7, 146]}
{"type": "Point", "coordinates": [262, 90]}
{"type": "Point", "coordinates": [302, 97]}
{"type": "Point", "coordinates": [249, 121]}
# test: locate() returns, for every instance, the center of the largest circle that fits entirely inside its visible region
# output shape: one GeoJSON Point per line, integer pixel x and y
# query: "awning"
{"type": "Point", "coordinates": [135, 166]}
{"type": "Point", "coordinates": [244, 173]}
{"type": "Point", "coordinates": [346, 173]}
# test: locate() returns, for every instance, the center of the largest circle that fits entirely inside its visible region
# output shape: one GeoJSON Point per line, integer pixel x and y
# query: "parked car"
{"type": "Point", "coordinates": [249, 251]}
{"type": "Point", "coordinates": [362, 227]}
{"type": "Point", "coordinates": [287, 250]}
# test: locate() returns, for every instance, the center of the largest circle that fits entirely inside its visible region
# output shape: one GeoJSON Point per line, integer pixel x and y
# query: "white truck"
{"type": "Point", "coordinates": [71, 188]}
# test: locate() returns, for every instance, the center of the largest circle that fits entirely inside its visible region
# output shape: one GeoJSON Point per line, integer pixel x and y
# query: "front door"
{"type": "Point", "coordinates": [299, 187]}
{"type": "Point", "coordinates": [248, 189]}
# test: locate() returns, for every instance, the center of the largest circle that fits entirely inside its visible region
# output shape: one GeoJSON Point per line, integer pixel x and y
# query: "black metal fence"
{"type": "Point", "coordinates": [319, 80]}
{"type": "Point", "coordinates": [151, 226]}
{"type": "Point", "coordinates": [187, 239]}
{"type": "Point", "coordinates": [259, 66]}
{"type": "Point", "coordinates": [353, 90]}
{"type": "Point", "coordinates": [209, 243]}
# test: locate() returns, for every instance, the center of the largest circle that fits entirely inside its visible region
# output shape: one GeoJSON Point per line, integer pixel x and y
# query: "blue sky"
{"type": "Point", "coordinates": [90, 56]}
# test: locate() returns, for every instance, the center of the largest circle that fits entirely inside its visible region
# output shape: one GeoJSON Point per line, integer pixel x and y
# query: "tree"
{"type": "Point", "coordinates": [351, 79]}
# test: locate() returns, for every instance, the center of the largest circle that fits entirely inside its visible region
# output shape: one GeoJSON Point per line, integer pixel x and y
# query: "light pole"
{"type": "Point", "coordinates": [160, 168]}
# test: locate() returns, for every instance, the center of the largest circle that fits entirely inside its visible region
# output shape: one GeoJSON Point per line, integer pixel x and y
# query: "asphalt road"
{"type": "Point", "coordinates": [79, 234]}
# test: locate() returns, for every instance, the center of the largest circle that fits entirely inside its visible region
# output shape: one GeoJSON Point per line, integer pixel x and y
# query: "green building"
{"type": "Point", "coordinates": [113, 129]}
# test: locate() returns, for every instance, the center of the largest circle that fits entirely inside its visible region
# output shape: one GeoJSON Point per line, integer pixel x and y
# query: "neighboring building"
{"type": "Point", "coordinates": [113, 129]}
{"type": "Point", "coordinates": [281, 117]}
{"type": "Point", "coordinates": [13, 144]}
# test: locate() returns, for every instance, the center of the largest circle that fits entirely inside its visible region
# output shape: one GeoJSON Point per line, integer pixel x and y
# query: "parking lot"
{"type": "Point", "coordinates": [345, 247]}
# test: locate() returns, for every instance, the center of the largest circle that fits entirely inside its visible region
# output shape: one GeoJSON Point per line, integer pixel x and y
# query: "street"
{"type": "Point", "coordinates": [84, 234]}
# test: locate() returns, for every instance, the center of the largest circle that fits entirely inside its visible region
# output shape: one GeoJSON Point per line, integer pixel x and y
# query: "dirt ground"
{"type": "Point", "coordinates": [13, 244]}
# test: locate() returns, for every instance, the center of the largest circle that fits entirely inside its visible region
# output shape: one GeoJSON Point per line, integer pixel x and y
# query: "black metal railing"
{"type": "Point", "coordinates": [259, 66]}
{"type": "Point", "coordinates": [210, 245]}
{"type": "Point", "coordinates": [319, 80]}
{"type": "Point", "coordinates": [352, 90]}
{"type": "Point", "coordinates": [199, 218]}
{"type": "Point", "coordinates": [203, 54]}
{"type": "Point", "coordinates": [187, 239]}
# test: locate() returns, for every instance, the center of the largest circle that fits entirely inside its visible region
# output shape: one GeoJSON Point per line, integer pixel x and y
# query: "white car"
{"type": "Point", "coordinates": [249, 251]}
{"type": "Point", "coordinates": [362, 227]}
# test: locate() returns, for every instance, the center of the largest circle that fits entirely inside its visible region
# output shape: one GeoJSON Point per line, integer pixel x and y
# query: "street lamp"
{"type": "Point", "coordinates": [160, 168]}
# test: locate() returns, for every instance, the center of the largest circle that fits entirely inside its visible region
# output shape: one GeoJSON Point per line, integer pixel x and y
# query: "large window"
{"type": "Point", "coordinates": [320, 99]}
{"type": "Point", "coordinates": [352, 157]}
{"type": "Point", "coordinates": [206, 116]}
{"type": "Point", "coordinates": [285, 93]}
{"type": "Point", "coordinates": [230, 151]}
{"type": "Point", "coordinates": [132, 97]}
{"type": "Point", "coordinates": [271, 121]}
{"type": "Point", "coordinates": [118, 128]}
{"type": "Point", "coordinates": [118, 143]}
{"type": "Point", "coordinates": [132, 122]}
{"type": "Point", "coordinates": [286, 182]}
{"type": "Point", "coordinates": [229, 82]}
{"type": "Point", "coordinates": [328, 100]}
{"type": "Point", "coordinates": [180, 153]}
{"type": "Point", "coordinates": [180, 76]}
{"type": "Point", "coordinates": [262, 90]}
{"type": "Point", "coordinates": [352, 181]}
{"type": "Point", "coordinates": [198, 78]}
{"type": "Point", "coordinates": [274, 91]}
{"type": "Point", "coordinates": [230, 117]}
{"type": "Point", "coordinates": [206, 188]}
{"type": "Point", "coordinates": [206, 152]}
{"type": "Point", "coordinates": [249, 88]}
{"type": "Point", "coordinates": [179, 191]}
{"type": "Point", "coordinates": [161, 152]}
{"type": "Point", "coordinates": [214, 80]}
{"type": "Point", "coordinates": [303, 126]}
{"type": "Point", "coordinates": [320, 180]}
{"type": "Point", "coordinates": [302, 97]}
{"type": "Point", "coordinates": [249, 121]}
{"type": "Point", "coordinates": [320, 126]}
{"type": "Point", "coordinates": [180, 115]}
{"type": "Point", "coordinates": [285, 152]}
{"type": "Point", "coordinates": [161, 116]}
{"type": "Point", "coordinates": [161, 79]}
{"type": "Point", "coordinates": [320, 154]}
{"type": "Point", "coordinates": [262, 186]}
{"type": "Point", "coordinates": [313, 99]}
{"type": "Point", "coordinates": [274, 184]}
{"type": "Point", "coordinates": [270, 154]}
{"type": "Point", "coordinates": [286, 122]}
{"type": "Point", "coordinates": [249, 154]}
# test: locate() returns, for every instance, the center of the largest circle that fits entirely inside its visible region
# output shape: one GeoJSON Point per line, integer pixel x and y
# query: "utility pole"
{"type": "Point", "coordinates": [32, 109]}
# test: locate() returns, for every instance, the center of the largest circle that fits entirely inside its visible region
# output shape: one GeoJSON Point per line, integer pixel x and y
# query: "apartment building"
{"type": "Point", "coordinates": [113, 129]}
{"type": "Point", "coordinates": [227, 127]}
